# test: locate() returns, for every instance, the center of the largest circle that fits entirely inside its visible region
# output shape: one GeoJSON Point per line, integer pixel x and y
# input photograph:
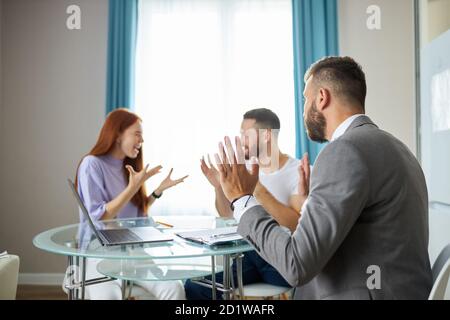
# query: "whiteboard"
{"type": "Point", "coordinates": [435, 117]}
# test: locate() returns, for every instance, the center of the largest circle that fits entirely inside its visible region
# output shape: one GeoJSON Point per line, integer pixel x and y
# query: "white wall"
{"type": "Point", "coordinates": [387, 57]}
{"type": "Point", "coordinates": [438, 18]}
{"type": "Point", "coordinates": [1, 22]}
{"type": "Point", "coordinates": [53, 107]}
{"type": "Point", "coordinates": [434, 19]}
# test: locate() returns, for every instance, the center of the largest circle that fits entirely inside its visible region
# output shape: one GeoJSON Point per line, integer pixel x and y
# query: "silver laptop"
{"type": "Point", "coordinates": [121, 236]}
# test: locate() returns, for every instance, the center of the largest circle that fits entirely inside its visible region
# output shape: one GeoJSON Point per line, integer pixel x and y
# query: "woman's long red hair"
{"type": "Point", "coordinates": [115, 124]}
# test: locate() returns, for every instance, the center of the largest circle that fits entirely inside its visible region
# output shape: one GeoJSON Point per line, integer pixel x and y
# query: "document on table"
{"type": "Point", "coordinates": [211, 236]}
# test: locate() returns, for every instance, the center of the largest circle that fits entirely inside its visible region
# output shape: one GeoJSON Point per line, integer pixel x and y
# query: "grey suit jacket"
{"type": "Point", "coordinates": [367, 211]}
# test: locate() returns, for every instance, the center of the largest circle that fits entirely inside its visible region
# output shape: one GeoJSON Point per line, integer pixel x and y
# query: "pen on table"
{"type": "Point", "coordinates": [164, 224]}
{"type": "Point", "coordinates": [215, 236]}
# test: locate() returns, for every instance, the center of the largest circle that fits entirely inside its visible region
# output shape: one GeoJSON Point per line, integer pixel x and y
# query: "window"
{"type": "Point", "coordinates": [201, 64]}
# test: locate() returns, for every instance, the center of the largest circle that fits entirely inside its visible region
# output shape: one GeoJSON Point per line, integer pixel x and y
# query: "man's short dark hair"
{"type": "Point", "coordinates": [344, 76]}
{"type": "Point", "coordinates": [265, 118]}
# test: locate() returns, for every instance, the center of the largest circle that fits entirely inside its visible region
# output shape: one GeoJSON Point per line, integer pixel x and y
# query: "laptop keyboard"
{"type": "Point", "coordinates": [120, 235]}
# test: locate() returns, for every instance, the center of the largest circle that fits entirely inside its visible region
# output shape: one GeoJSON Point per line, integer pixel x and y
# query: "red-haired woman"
{"type": "Point", "coordinates": [111, 182]}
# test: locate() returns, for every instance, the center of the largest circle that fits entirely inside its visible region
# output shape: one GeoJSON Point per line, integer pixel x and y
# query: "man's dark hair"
{"type": "Point", "coordinates": [343, 75]}
{"type": "Point", "coordinates": [265, 118]}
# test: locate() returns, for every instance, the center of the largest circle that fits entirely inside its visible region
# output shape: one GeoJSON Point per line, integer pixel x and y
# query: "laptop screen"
{"type": "Point", "coordinates": [84, 210]}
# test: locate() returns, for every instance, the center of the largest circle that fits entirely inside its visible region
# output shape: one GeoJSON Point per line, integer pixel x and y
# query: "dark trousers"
{"type": "Point", "coordinates": [254, 269]}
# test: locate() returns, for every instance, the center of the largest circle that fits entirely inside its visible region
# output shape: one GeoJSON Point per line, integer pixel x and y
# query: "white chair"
{"type": "Point", "coordinates": [264, 291]}
{"type": "Point", "coordinates": [440, 261]}
{"type": "Point", "coordinates": [441, 284]}
{"type": "Point", "coordinates": [9, 274]}
{"type": "Point", "coordinates": [441, 275]}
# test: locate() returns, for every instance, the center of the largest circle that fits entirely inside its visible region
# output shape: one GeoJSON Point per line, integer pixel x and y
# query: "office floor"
{"type": "Point", "coordinates": [28, 292]}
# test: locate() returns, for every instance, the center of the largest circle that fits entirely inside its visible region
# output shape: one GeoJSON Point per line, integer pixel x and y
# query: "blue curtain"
{"type": "Point", "coordinates": [122, 35]}
{"type": "Point", "coordinates": [315, 36]}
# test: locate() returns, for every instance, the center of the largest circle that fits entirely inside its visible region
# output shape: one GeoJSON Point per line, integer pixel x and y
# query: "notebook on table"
{"type": "Point", "coordinates": [211, 236]}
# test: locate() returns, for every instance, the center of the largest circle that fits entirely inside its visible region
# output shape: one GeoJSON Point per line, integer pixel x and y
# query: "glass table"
{"type": "Point", "coordinates": [178, 259]}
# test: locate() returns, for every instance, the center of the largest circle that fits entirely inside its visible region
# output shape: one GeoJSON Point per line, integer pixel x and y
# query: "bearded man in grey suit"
{"type": "Point", "coordinates": [363, 229]}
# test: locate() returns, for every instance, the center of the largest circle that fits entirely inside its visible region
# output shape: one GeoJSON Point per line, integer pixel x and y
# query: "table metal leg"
{"type": "Point", "coordinates": [76, 278]}
{"type": "Point", "coordinates": [213, 277]}
{"type": "Point", "coordinates": [226, 276]}
{"type": "Point", "coordinates": [70, 291]}
{"type": "Point", "coordinates": [83, 277]}
{"type": "Point", "coordinates": [130, 288]}
{"type": "Point", "coordinates": [76, 261]}
{"type": "Point", "coordinates": [124, 289]}
{"type": "Point", "coordinates": [232, 288]}
{"type": "Point", "coordinates": [224, 287]}
{"type": "Point", "coordinates": [239, 275]}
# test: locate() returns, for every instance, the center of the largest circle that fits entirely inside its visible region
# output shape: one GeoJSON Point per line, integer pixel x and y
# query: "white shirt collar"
{"type": "Point", "coordinates": [344, 126]}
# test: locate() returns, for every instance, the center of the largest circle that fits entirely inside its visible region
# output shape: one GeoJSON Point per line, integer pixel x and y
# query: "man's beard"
{"type": "Point", "coordinates": [315, 124]}
{"type": "Point", "coordinates": [247, 152]}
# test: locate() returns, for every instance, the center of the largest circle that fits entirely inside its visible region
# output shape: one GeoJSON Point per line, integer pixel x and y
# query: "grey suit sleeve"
{"type": "Point", "coordinates": [338, 193]}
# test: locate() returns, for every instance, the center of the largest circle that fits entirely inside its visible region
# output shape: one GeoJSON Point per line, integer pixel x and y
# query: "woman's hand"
{"type": "Point", "coordinates": [168, 183]}
{"type": "Point", "coordinates": [137, 179]}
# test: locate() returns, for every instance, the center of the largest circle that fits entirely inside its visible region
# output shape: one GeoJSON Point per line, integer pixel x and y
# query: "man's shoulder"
{"type": "Point", "coordinates": [292, 162]}
{"type": "Point", "coordinates": [368, 137]}
{"type": "Point", "coordinates": [285, 175]}
{"type": "Point", "coordinates": [290, 167]}
{"type": "Point", "coordinates": [363, 132]}
{"type": "Point", "coordinates": [338, 151]}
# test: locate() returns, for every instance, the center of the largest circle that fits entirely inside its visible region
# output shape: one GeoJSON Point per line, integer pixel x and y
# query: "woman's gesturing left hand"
{"type": "Point", "coordinates": [168, 182]}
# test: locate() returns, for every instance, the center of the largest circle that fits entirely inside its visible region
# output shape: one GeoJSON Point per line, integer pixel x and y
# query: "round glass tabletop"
{"type": "Point", "coordinates": [79, 240]}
